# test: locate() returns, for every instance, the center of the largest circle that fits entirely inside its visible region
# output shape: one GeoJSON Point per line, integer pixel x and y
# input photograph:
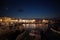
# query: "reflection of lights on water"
{"type": "Point", "coordinates": [3, 23]}
{"type": "Point", "coordinates": [40, 24]}
{"type": "Point", "coordinates": [29, 25]}
{"type": "Point", "coordinates": [34, 25]}
{"type": "Point", "coordinates": [24, 25]}
{"type": "Point", "coordinates": [11, 22]}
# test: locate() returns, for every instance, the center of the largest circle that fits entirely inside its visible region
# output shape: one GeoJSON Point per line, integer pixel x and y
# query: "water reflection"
{"type": "Point", "coordinates": [35, 25]}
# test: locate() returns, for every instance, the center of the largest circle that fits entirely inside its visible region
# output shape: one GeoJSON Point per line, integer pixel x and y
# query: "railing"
{"type": "Point", "coordinates": [21, 36]}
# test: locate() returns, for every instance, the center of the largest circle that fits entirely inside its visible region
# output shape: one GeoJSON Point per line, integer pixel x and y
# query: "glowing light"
{"type": "Point", "coordinates": [20, 20]}
{"type": "Point", "coordinates": [1, 20]}
{"type": "Point", "coordinates": [14, 20]}
{"type": "Point", "coordinates": [45, 21]}
{"type": "Point", "coordinates": [23, 20]}
{"type": "Point", "coordinates": [27, 21]}
{"type": "Point", "coordinates": [32, 20]}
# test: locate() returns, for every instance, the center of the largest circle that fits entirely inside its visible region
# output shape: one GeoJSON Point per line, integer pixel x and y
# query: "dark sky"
{"type": "Point", "coordinates": [30, 8]}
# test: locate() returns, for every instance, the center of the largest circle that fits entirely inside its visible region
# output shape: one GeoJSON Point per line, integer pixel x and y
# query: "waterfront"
{"type": "Point", "coordinates": [18, 31]}
{"type": "Point", "coordinates": [29, 29]}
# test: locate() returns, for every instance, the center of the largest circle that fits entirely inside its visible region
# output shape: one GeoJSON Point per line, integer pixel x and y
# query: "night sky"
{"type": "Point", "coordinates": [30, 8]}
